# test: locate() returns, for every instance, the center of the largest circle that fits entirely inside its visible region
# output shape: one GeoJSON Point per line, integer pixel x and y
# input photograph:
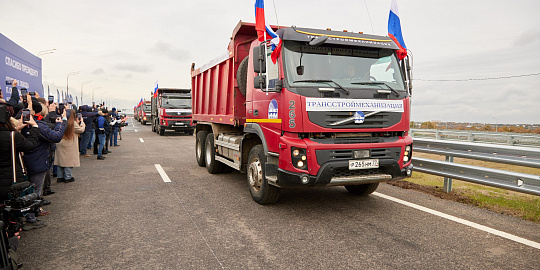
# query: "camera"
{"type": "Point", "coordinates": [25, 115]}
{"type": "Point", "coordinates": [24, 92]}
{"type": "Point", "coordinates": [61, 108]}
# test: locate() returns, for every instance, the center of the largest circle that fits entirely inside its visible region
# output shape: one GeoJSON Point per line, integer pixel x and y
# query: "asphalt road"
{"type": "Point", "coordinates": [120, 214]}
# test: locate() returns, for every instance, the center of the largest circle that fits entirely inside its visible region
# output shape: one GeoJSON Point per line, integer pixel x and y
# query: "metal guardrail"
{"type": "Point", "coordinates": [502, 138]}
{"type": "Point", "coordinates": [522, 156]}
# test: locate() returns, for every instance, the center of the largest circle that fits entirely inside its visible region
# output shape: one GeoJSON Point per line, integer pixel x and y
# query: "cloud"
{"type": "Point", "coordinates": [133, 68]}
{"type": "Point", "coordinates": [531, 36]}
{"type": "Point", "coordinates": [98, 71]}
{"type": "Point", "coordinates": [168, 50]}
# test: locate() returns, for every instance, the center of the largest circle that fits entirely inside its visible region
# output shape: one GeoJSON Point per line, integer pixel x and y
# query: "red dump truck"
{"type": "Point", "coordinates": [171, 110]}
{"type": "Point", "coordinates": [334, 110]}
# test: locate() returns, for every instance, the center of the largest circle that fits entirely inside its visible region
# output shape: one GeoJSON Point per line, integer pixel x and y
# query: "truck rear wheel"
{"type": "Point", "coordinates": [241, 75]}
{"type": "Point", "coordinates": [212, 165]}
{"type": "Point", "coordinates": [261, 191]}
{"type": "Point", "coordinates": [362, 190]}
{"type": "Point", "coordinates": [153, 126]}
{"type": "Point", "coordinates": [200, 141]}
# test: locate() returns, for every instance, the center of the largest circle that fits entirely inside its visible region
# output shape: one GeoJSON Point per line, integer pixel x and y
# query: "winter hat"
{"type": "Point", "coordinates": [114, 109]}
{"type": "Point", "coordinates": [36, 106]}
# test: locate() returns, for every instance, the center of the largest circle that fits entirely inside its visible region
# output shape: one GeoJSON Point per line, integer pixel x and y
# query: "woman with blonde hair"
{"type": "Point", "coordinates": [67, 151]}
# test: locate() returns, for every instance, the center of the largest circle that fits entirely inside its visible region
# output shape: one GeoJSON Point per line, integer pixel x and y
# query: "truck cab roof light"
{"type": "Point", "coordinates": [345, 31]}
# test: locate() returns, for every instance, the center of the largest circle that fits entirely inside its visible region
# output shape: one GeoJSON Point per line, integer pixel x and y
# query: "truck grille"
{"type": "Point", "coordinates": [379, 120]}
{"type": "Point", "coordinates": [336, 155]}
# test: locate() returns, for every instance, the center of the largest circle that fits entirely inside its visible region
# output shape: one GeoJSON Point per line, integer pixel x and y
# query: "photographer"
{"type": "Point", "coordinates": [37, 160]}
{"type": "Point", "coordinates": [115, 123]}
{"type": "Point", "coordinates": [22, 144]}
{"type": "Point", "coordinates": [67, 151]}
{"type": "Point", "coordinates": [102, 128]}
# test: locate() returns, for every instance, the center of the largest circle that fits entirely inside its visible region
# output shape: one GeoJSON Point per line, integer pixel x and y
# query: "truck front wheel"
{"type": "Point", "coordinates": [212, 165]}
{"type": "Point", "coordinates": [200, 147]}
{"type": "Point", "coordinates": [261, 191]}
{"type": "Point", "coordinates": [161, 131]}
{"type": "Point", "coordinates": [362, 190]}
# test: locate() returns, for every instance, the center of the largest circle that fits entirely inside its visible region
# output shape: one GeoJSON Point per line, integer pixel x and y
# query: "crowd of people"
{"type": "Point", "coordinates": [41, 139]}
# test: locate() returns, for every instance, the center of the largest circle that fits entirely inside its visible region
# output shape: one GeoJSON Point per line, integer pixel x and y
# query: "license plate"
{"type": "Point", "coordinates": [363, 164]}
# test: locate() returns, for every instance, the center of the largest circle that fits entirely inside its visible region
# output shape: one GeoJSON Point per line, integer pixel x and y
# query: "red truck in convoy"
{"type": "Point", "coordinates": [144, 112]}
{"type": "Point", "coordinates": [333, 111]}
{"type": "Point", "coordinates": [171, 110]}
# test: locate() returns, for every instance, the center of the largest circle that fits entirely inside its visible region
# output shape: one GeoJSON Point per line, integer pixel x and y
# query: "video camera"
{"type": "Point", "coordinates": [22, 201]}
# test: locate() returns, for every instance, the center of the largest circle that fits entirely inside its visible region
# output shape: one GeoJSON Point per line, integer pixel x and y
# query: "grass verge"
{"type": "Point", "coordinates": [502, 201]}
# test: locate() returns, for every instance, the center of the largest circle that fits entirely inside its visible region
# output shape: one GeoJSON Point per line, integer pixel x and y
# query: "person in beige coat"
{"type": "Point", "coordinates": [67, 150]}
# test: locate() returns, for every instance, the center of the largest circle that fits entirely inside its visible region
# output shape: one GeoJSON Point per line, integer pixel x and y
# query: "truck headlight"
{"type": "Point", "coordinates": [299, 158]}
{"type": "Point", "coordinates": [407, 155]}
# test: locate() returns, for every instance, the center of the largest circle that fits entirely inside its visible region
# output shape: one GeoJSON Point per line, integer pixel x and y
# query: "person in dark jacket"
{"type": "Point", "coordinates": [37, 160]}
{"type": "Point", "coordinates": [115, 123]}
{"type": "Point", "coordinates": [102, 128]}
{"type": "Point", "coordinates": [88, 117]}
{"type": "Point", "coordinates": [22, 144]}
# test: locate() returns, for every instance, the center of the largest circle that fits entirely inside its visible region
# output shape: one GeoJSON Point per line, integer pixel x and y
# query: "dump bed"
{"type": "Point", "coordinates": [215, 96]}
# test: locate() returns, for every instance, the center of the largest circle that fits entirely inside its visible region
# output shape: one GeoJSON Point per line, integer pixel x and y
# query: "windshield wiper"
{"type": "Point", "coordinates": [326, 81]}
{"type": "Point", "coordinates": [379, 83]}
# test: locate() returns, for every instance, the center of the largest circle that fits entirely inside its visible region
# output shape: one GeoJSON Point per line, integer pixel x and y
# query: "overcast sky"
{"type": "Point", "coordinates": [123, 47]}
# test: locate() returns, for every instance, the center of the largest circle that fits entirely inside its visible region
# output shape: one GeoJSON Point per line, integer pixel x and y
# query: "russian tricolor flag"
{"type": "Point", "coordinates": [155, 89]}
{"type": "Point", "coordinates": [261, 27]}
{"type": "Point", "coordinates": [394, 30]}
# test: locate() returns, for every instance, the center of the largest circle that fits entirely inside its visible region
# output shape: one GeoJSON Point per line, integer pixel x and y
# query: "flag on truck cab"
{"type": "Point", "coordinates": [261, 27]}
{"type": "Point", "coordinates": [394, 30]}
{"type": "Point", "coordinates": [155, 89]}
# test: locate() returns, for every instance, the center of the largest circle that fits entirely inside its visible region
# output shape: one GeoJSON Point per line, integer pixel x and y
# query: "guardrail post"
{"type": "Point", "coordinates": [510, 140]}
{"type": "Point", "coordinates": [437, 135]}
{"type": "Point", "coordinates": [470, 137]}
{"type": "Point", "coordinates": [448, 181]}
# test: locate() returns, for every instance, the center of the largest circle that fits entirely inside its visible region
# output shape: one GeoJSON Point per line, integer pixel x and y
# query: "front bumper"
{"type": "Point", "coordinates": [337, 173]}
{"type": "Point", "coordinates": [177, 124]}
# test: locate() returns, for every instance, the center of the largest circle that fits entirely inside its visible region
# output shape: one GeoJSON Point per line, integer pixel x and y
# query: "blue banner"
{"type": "Point", "coordinates": [21, 65]}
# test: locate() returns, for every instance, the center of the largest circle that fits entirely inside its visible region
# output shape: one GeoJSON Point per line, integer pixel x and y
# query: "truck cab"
{"type": "Point", "coordinates": [171, 110]}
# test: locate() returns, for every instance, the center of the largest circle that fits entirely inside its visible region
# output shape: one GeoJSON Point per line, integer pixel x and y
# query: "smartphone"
{"type": "Point", "coordinates": [9, 82]}
{"type": "Point", "coordinates": [51, 99]}
{"type": "Point", "coordinates": [79, 115]}
{"type": "Point", "coordinates": [61, 108]}
{"type": "Point", "coordinates": [25, 115]}
{"type": "Point", "coordinates": [33, 94]}
{"type": "Point", "coordinates": [24, 92]}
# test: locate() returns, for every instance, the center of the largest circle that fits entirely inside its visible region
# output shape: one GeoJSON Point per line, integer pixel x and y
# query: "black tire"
{"type": "Point", "coordinates": [241, 75]}
{"type": "Point", "coordinates": [161, 131]}
{"type": "Point", "coordinates": [212, 165]}
{"type": "Point", "coordinates": [200, 146]}
{"type": "Point", "coordinates": [153, 126]}
{"type": "Point", "coordinates": [143, 122]}
{"type": "Point", "coordinates": [261, 191]}
{"type": "Point", "coordinates": [362, 190]}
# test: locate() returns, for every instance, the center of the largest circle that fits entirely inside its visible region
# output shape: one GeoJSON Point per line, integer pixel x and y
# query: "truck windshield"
{"type": "Point", "coordinates": [176, 103]}
{"type": "Point", "coordinates": [147, 108]}
{"type": "Point", "coordinates": [350, 67]}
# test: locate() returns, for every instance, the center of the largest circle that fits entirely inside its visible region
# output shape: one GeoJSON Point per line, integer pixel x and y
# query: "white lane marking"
{"type": "Point", "coordinates": [463, 221]}
{"type": "Point", "coordinates": [164, 176]}
{"type": "Point", "coordinates": [140, 139]}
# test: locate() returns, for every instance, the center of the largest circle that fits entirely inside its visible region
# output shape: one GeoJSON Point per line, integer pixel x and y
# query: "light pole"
{"type": "Point", "coordinates": [93, 93]}
{"type": "Point", "coordinates": [67, 81]}
{"type": "Point", "coordinates": [82, 90]}
{"type": "Point", "coordinates": [496, 124]}
{"type": "Point", "coordinates": [46, 52]}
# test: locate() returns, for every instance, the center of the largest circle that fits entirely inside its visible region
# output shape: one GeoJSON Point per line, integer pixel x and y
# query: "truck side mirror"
{"type": "Point", "coordinates": [300, 70]}
{"type": "Point", "coordinates": [259, 59]}
{"type": "Point", "coordinates": [259, 82]}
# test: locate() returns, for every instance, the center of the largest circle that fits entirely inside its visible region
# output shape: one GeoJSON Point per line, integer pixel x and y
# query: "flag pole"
{"type": "Point", "coordinates": [266, 59]}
